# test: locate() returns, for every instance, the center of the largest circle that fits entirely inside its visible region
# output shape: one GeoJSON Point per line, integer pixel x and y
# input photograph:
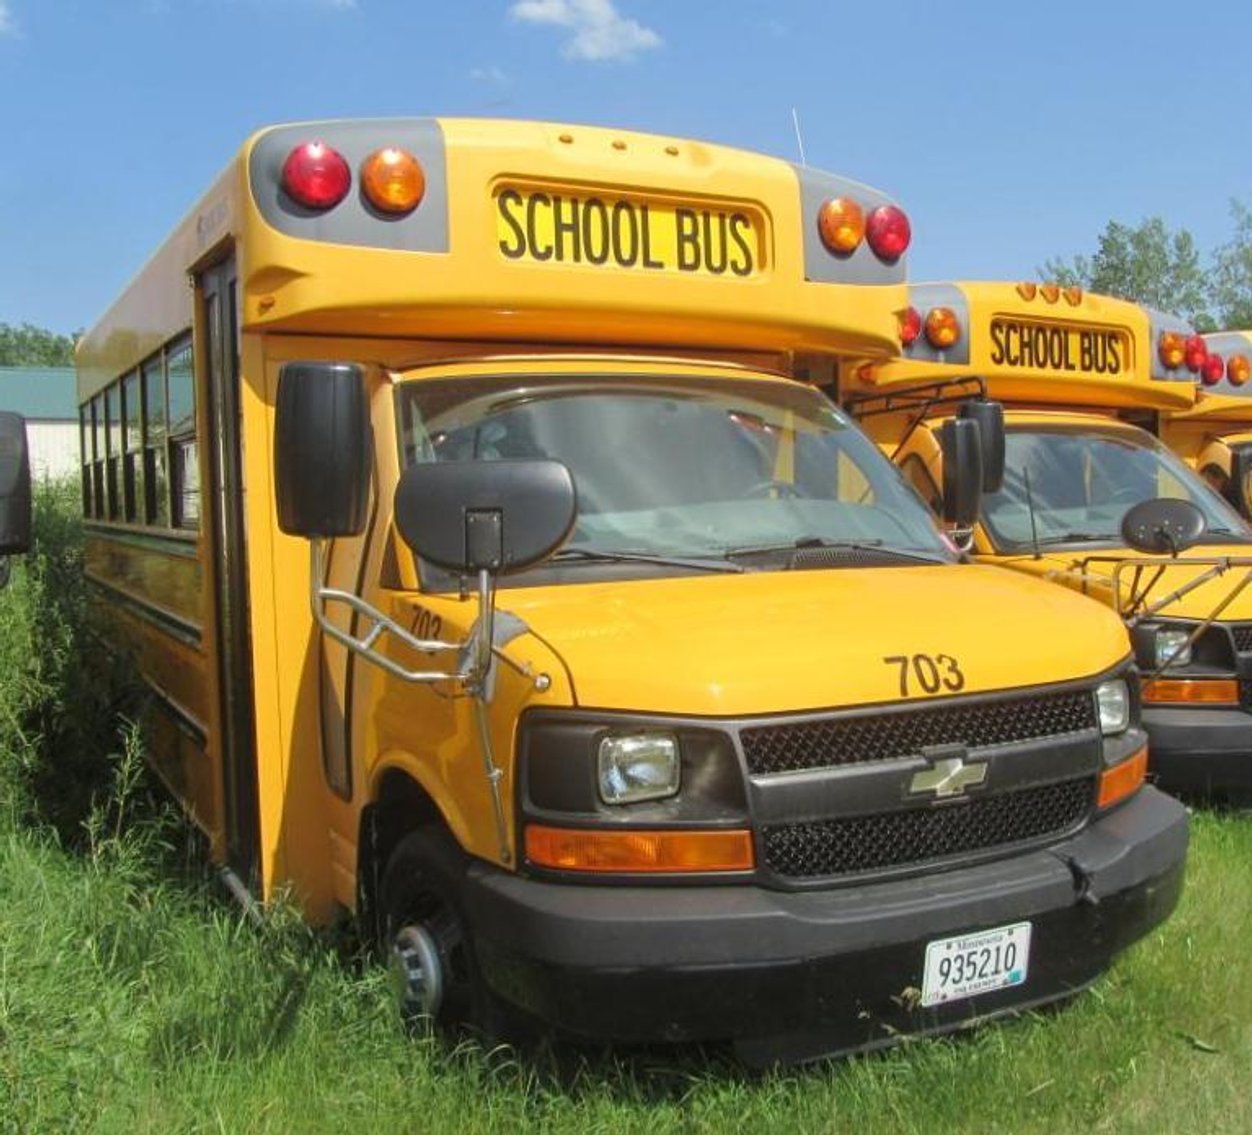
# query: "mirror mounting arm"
{"type": "Point", "coordinates": [366, 644]}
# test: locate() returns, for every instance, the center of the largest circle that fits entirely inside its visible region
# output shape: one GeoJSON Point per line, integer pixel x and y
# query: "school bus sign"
{"type": "Point", "coordinates": [1021, 344]}
{"type": "Point", "coordinates": [567, 227]}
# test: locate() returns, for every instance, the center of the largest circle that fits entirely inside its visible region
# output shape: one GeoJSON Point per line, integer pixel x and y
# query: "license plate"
{"type": "Point", "coordinates": [564, 227]}
{"type": "Point", "coordinates": [975, 963]}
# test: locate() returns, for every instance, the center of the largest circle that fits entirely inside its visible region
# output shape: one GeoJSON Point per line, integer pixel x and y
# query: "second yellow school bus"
{"type": "Point", "coordinates": [1074, 372]}
{"type": "Point", "coordinates": [499, 586]}
{"type": "Point", "coordinates": [1214, 436]}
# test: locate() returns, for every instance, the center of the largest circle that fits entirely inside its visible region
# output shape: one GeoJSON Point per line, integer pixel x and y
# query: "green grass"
{"type": "Point", "coordinates": [134, 998]}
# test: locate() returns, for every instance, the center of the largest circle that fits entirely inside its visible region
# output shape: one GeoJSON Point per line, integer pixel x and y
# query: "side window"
{"type": "Point", "coordinates": [86, 442]}
{"type": "Point", "coordinates": [156, 488]}
{"type": "Point", "coordinates": [98, 463]}
{"type": "Point", "coordinates": [132, 441]}
{"type": "Point", "coordinates": [184, 454]}
{"type": "Point", "coordinates": [113, 436]}
{"type": "Point", "coordinates": [918, 476]}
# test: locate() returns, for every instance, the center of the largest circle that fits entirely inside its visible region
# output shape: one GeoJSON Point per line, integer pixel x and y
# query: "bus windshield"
{"type": "Point", "coordinates": [1079, 483]}
{"type": "Point", "coordinates": [676, 465]}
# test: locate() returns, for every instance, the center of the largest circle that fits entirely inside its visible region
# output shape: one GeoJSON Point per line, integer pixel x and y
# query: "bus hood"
{"type": "Point", "coordinates": [1095, 577]}
{"type": "Point", "coordinates": [773, 642]}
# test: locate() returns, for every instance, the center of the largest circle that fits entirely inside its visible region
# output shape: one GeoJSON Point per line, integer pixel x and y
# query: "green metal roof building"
{"type": "Point", "coordinates": [48, 399]}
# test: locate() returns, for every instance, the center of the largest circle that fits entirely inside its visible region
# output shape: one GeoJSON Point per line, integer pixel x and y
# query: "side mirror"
{"type": "Point", "coordinates": [493, 516]}
{"type": "Point", "coordinates": [14, 485]}
{"type": "Point", "coordinates": [990, 419]}
{"type": "Point", "coordinates": [962, 471]}
{"type": "Point", "coordinates": [322, 444]}
{"type": "Point", "coordinates": [1163, 525]}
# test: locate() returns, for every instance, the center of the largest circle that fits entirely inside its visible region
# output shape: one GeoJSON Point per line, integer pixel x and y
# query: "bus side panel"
{"type": "Point", "coordinates": [147, 604]}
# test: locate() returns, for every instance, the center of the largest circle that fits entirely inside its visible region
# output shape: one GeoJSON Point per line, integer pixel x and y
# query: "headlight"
{"type": "Point", "coordinates": [1113, 701]}
{"type": "Point", "coordinates": [638, 766]}
{"type": "Point", "coordinates": [1172, 648]}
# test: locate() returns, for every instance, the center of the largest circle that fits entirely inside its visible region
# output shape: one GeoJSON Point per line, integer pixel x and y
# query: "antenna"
{"type": "Point", "coordinates": [1030, 505]}
{"type": "Point", "coordinates": [795, 119]}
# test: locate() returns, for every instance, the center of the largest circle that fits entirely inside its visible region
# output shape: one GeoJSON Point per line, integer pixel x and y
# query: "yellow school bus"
{"type": "Point", "coordinates": [1074, 372]}
{"type": "Point", "coordinates": [1214, 436]}
{"type": "Point", "coordinates": [499, 584]}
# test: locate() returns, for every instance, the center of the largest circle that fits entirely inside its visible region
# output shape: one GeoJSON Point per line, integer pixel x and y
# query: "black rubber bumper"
{"type": "Point", "coordinates": [1200, 752]}
{"type": "Point", "coordinates": [794, 975]}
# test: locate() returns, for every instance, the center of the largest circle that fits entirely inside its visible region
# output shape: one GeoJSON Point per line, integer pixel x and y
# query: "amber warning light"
{"type": "Point", "coordinates": [392, 180]}
{"type": "Point", "coordinates": [1171, 349]}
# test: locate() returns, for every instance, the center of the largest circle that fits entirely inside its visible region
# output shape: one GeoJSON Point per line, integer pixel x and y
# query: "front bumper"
{"type": "Point", "coordinates": [1201, 752]}
{"type": "Point", "coordinates": [793, 975]}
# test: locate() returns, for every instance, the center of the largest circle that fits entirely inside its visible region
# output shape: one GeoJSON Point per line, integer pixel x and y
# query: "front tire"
{"type": "Point", "coordinates": [424, 940]}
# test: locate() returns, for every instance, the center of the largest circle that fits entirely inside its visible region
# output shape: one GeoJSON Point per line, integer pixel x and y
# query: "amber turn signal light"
{"type": "Point", "coordinates": [1123, 779]}
{"type": "Point", "coordinates": [943, 329]}
{"type": "Point", "coordinates": [654, 851]}
{"type": "Point", "coordinates": [392, 180]}
{"type": "Point", "coordinates": [1191, 691]}
{"type": "Point", "coordinates": [841, 224]}
{"type": "Point", "coordinates": [1171, 349]}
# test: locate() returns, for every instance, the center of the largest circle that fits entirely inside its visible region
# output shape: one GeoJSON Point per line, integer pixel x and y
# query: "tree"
{"type": "Point", "coordinates": [1232, 273]}
{"type": "Point", "coordinates": [30, 346]}
{"type": "Point", "coordinates": [1147, 264]}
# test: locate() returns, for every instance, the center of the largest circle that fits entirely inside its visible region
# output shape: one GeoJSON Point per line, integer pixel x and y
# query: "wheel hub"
{"type": "Point", "coordinates": [416, 972]}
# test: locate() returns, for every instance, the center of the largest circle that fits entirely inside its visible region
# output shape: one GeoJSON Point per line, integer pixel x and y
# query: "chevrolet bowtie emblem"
{"type": "Point", "coordinates": [948, 777]}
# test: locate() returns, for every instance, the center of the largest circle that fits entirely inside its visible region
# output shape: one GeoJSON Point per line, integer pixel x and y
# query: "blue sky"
{"type": "Point", "coordinates": [1009, 132]}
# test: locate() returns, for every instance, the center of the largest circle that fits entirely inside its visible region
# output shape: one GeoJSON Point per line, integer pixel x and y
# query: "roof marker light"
{"type": "Point", "coordinates": [1171, 349]}
{"type": "Point", "coordinates": [316, 176]}
{"type": "Point", "coordinates": [910, 326]}
{"type": "Point", "coordinates": [392, 180]}
{"type": "Point", "coordinates": [1212, 369]}
{"type": "Point", "coordinates": [1195, 351]}
{"type": "Point", "coordinates": [1073, 295]}
{"type": "Point", "coordinates": [943, 329]}
{"type": "Point", "coordinates": [1238, 369]}
{"type": "Point", "coordinates": [1028, 289]}
{"type": "Point", "coordinates": [1050, 292]}
{"type": "Point", "coordinates": [888, 232]}
{"type": "Point", "coordinates": [841, 224]}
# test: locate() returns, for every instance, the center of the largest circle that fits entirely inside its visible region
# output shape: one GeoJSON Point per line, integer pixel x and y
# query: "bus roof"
{"type": "Point", "coordinates": [526, 232]}
{"type": "Point", "coordinates": [1039, 345]}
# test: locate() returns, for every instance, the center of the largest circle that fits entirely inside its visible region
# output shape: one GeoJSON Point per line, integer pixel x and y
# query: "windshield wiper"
{"type": "Point", "coordinates": [1071, 538]}
{"type": "Point", "coordinates": [607, 556]}
{"type": "Point", "coordinates": [806, 543]}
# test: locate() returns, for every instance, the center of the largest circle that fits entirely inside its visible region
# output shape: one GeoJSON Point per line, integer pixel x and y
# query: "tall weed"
{"type": "Point", "coordinates": [67, 742]}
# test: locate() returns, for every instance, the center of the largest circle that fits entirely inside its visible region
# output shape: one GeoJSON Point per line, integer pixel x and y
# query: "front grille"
{"type": "Point", "coordinates": [878, 736]}
{"type": "Point", "coordinates": [1243, 637]}
{"type": "Point", "coordinates": [867, 843]}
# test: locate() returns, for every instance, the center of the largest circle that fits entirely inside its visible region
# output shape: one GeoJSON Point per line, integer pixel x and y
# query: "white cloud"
{"type": "Point", "coordinates": [598, 32]}
{"type": "Point", "coordinates": [491, 76]}
{"type": "Point", "coordinates": [8, 25]}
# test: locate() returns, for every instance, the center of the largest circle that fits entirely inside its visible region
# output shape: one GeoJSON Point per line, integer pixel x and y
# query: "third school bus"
{"type": "Point", "coordinates": [1214, 436]}
{"type": "Point", "coordinates": [499, 586]}
{"type": "Point", "coordinates": [1070, 368]}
